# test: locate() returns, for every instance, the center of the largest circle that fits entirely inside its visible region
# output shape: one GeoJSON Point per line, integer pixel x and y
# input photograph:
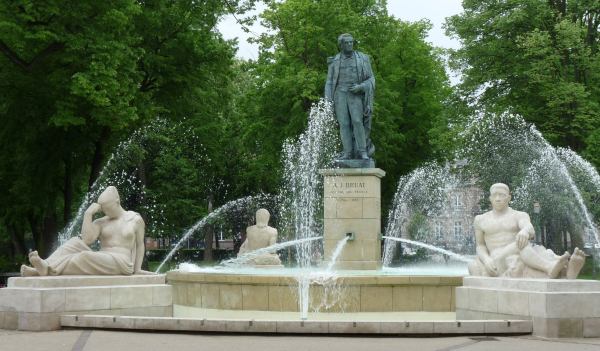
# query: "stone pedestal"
{"type": "Point", "coordinates": [557, 307]}
{"type": "Point", "coordinates": [37, 303]}
{"type": "Point", "coordinates": [352, 204]}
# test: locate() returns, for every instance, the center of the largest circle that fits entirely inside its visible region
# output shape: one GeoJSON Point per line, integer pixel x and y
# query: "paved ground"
{"type": "Point", "coordinates": [93, 340]}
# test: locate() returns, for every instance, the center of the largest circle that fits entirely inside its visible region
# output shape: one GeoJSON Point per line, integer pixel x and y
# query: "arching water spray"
{"type": "Point", "coordinates": [242, 202]}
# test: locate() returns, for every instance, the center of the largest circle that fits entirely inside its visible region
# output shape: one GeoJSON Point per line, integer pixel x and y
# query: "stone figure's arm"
{"type": "Point", "coordinates": [369, 71]}
{"type": "Point", "coordinates": [329, 82]}
{"type": "Point", "coordinates": [526, 231]}
{"type": "Point", "coordinates": [90, 230]}
{"type": "Point", "coordinates": [140, 247]}
{"type": "Point", "coordinates": [482, 251]}
{"type": "Point", "coordinates": [243, 249]}
{"type": "Point", "coordinates": [273, 238]}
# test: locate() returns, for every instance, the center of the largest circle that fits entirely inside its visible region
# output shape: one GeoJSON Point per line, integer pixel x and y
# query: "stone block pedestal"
{"type": "Point", "coordinates": [37, 303]}
{"type": "Point", "coordinates": [558, 308]}
{"type": "Point", "coordinates": [352, 204]}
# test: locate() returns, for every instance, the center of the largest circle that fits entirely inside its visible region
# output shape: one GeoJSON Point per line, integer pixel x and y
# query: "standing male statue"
{"type": "Point", "coordinates": [503, 249]}
{"type": "Point", "coordinates": [350, 86]}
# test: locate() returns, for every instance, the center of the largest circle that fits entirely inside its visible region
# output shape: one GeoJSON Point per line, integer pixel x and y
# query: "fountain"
{"type": "Point", "coordinates": [349, 278]}
{"type": "Point", "coordinates": [335, 213]}
{"type": "Point", "coordinates": [348, 288]}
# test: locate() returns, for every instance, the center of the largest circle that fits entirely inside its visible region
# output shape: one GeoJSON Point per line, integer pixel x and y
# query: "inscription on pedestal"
{"type": "Point", "coordinates": [352, 204]}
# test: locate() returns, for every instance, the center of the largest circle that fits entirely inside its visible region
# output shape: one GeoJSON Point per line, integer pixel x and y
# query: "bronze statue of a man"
{"type": "Point", "coordinates": [350, 86]}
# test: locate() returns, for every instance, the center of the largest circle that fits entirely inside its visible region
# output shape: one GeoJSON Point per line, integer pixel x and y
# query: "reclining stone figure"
{"type": "Point", "coordinates": [121, 236]}
{"type": "Point", "coordinates": [503, 250]}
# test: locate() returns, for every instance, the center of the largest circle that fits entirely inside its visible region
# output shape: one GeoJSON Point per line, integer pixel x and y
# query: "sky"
{"type": "Point", "coordinates": [409, 10]}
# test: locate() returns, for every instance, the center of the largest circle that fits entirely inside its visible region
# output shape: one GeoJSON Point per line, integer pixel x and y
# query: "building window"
{"type": "Point", "coordinates": [458, 229]}
{"type": "Point", "coordinates": [439, 231]}
{"type": "Point", "coordinates": [458, 200]}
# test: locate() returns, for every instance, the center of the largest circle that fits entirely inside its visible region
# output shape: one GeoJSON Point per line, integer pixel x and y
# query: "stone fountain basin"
{"type": "Point", "coordinates": [342, 291]}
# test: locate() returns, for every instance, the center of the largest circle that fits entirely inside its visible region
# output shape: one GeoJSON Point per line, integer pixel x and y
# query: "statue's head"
{"type": "Point", "coordinates": [346, 43]}
{"type": "Point", "coordinates": [499, 196]}
{"type": "Point", "coordinates": [262, 217]}
{"type": "Point", "coordinates": [110, 202]}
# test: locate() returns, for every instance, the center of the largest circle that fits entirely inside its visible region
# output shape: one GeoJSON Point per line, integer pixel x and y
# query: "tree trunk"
{"type": "Point", "coordinates": [98, 156]}
{"type": "Point", "coordinates": [17, 238]}
{"type": "Point", "coordinates": [68, 190]}
{"type": "Point", "coordinates": [208, 235]}
{"type": "Point", "coordinates": [141, 170]}
{"type": "Point", "coordinates": [49, 234]}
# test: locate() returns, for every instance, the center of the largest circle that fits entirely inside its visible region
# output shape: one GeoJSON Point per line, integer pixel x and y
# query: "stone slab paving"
{"type": "Point", "coordinates": [96, 340]}
{"type": "Point", "coordinates": [383, 323]}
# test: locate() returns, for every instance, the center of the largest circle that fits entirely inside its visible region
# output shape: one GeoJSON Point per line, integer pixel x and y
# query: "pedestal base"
{"type": "Point", "coordinates": [370, 163]}
{"type": "Point", "coordinates": [559, 308]}
{"type": "Point", "coordinates": [352, 208]}
{"type": "Point", "coordinates": [37, 303]}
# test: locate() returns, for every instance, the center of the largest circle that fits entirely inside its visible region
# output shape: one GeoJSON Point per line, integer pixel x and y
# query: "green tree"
{"type": "Point", "coordinates": [537, 58]}
{"type": "Point", "coordinates": [290, 73]}
{"type": "Point", "coordinates": [78, 77]}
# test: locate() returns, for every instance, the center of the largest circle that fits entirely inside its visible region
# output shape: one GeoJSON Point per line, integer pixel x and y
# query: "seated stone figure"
{"type": "Point", "coordinates": [259, 236]}
{"type": "Point", "coordinates": [503, 250]}
{"type": "Point", "coordinates": [121, 236]}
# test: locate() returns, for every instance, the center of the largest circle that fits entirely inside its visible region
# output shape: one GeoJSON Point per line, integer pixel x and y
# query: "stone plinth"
{"type": "Point", "coordinates": [557, 307]}
{"type": "Point", "coordinates": [346, 293]}
{"type": "Point", "coordinates": [352, 204]}
{"type": "Point", "coordinates": [37, 303]}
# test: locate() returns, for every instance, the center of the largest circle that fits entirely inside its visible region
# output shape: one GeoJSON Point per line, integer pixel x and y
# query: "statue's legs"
{"type": "Point", "coordinates": [349, 113]}
{"type": "Point", "coordinates": [575, 264]}
{"type": "Point", "coordinates": [368, 143]}
{"type": "Point", "coordinates": [355, 107]}
{"type": "Point", "coordinates": [533, 259]}
{"type": "Point", "coordinates": [74, 257]}
{"type": "Point", "coordinates": [343, 117]}
{"type": "Point", "coordinates": [476, 268]}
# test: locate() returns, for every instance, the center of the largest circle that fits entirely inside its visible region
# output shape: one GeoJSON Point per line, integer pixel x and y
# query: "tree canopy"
{"type": "Point", "coordinates": [536, 58]}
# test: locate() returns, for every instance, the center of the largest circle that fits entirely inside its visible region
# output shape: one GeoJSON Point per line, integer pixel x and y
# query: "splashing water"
{"type": "Point", "coordinates": [236, 262]}
{"type": "Point", "coordinates": [242, 202]}
{"type": "Point", "coordinates": [116, 172]}
{"type": "Point", "coordinates": [506, 148]}
{"type": "Point", "coordinates": [497, 148]}
{"type": "Point", "coordinates": [302, 159]}
{"type": "Point", "coordinates": [425, 192]}
{"type": "Point", "coordinates": [336, 253]}
{"type": "Point", "coordinates": [431, 247]}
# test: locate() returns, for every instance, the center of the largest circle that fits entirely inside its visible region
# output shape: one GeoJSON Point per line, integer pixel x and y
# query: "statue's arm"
{"type": "Point", "coordinates": [369, 83]}
{"type": "Point", "coordinates": [273, 238]}
{"type": "Point", "coordinates": [243, 248]}
{"type": "Point", "coordinates": [525, 225]}
{"type": "Point", "coordinates": [526, 231]}
{"type": "Point", "coordinates": [481, 249]}
{"type": "Point", "coordinates": [90, 229]}
{"type": "Point", "coordinates": [329, 82]}
{"type": "Point", "coordinates": [140, 247]}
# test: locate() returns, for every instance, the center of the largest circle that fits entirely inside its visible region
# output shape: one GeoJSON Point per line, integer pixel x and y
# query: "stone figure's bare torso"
{"type": "Point", "coordinates": [502, 238]}
{"type": "Point", "coordinates": [499, 230]}
{"type": "Point", "coordinates": [259, 237]}
{"type": "Point", "coordinates": [118, 235]}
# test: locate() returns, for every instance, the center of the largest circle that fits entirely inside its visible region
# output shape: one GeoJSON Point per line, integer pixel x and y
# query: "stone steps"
{"type": "Point", "coordinates": [445, 327]}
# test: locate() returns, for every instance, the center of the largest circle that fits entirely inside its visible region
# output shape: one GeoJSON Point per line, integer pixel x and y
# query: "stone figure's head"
{"type": "Point", "coordinates": [110, 202]}
{"type": "Point", "coordinates": [346, 43]}
{"type": "Point", "coordinates": [262, 217]}
{"type": "Point", "coordinates": [499, 196]}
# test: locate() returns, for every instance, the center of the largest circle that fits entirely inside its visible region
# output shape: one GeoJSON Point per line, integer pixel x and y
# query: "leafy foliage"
{"type": "Point", "coordinates": [537, 58]}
